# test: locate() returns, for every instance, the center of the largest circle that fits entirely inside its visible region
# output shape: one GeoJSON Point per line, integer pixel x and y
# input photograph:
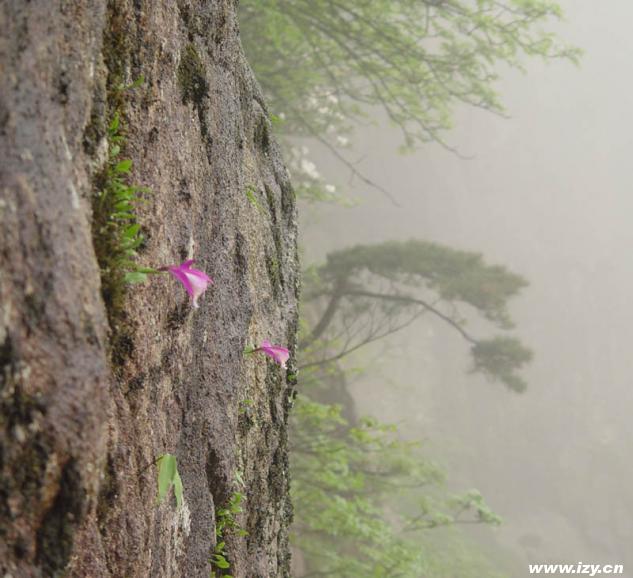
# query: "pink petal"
{"type": "Point", "coordinates": [199, 274]}
{"type": "Point", "coordinates": [276, 352]}
{"type": "Point", "coordinates": [194, 281]}
{"type": "Point", "coordinates": [180, 276]}
{"type": "Point", "coordinates": [198, 283]}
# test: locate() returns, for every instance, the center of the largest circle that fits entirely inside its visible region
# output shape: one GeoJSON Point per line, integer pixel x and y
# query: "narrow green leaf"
{"type": "Point", "coordinates": [168, 476]}
{"type": "Point", "coordinates": [131, 231]}
{"type": "Point", "coordinates": [178, 489]}
{"type": "Point", "coordinates": [166, 472]}
{"type": "Point", "coordinates": [138, 82]}
{"type": "Point", "coordinates": [123, 166]}
{"type": "Point", "coordinates": [149, 271]}
{"type": "Point", "coordinates": [221, 562]}
{"type": "Point", "coordinates": [122, 215]}
{"type": "Point", "coordinates": [114, 124]}
{"type": "Point", "coordinates": [135, 277]}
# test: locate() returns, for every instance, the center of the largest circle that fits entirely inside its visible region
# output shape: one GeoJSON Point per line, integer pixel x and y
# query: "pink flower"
{"type": "Point", "coordinates": [276, 352]}
{"type": "Point", "coordinates": [195, 282]}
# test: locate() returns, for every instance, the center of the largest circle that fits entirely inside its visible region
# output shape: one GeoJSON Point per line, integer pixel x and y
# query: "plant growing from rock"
{"type": "Point", "coordinates": [193, 280]}
{"type": "Point", "coordinates": [168, 477]}
{"type": "Point", "coordinates": [226, 522]}
{"type": "Point", "coordinates": [117, 235]}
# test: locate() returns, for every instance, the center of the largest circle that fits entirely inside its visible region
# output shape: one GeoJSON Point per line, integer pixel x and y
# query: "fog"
{"type": "Point", "coordinates": [547, 193]}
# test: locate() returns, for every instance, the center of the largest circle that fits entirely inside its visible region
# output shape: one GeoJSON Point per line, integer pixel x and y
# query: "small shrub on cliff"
{"type": "Point", "coordinates": [116, 233]}
{"type": "Point", "coordinates": [226, 521]}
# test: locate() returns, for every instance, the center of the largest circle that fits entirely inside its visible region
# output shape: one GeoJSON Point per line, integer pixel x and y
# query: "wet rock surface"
{"type": "Point", "coordinates": [90, 398]}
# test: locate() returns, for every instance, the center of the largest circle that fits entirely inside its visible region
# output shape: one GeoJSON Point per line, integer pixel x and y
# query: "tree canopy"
{"type": "Point", "coordinates": [364, 500]}
{"type": "Point", "coordinates": [370, 291]}
{"type": "Point", "coordinates": [328, 65]}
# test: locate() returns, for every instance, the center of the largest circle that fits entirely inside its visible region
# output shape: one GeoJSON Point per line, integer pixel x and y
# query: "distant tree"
{"type": "Point", "coordinates": [364, 499]}
{"type": "Point", "coordinates": [368, 292]}
{"type": "Point", "coordinates": [327, 65]}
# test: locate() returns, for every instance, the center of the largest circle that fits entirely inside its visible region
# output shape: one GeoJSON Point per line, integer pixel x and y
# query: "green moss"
{"type": "Point", "coordinates": [247, 416]}
{"type": "Point", "coordinates": [275, 273]}
{"type": "Point", "coordinates": [191, 76]}
{"type": "Point", "coordinates": [97, 127]}
{"type": "Point", "coordinates": [272, 268]}
{"type": "Point", "coordinates": [117, 50]}
{"type": "Point", "coordinates": [194, 87]}
{"type": "Point", "coordinates": [262, 134]}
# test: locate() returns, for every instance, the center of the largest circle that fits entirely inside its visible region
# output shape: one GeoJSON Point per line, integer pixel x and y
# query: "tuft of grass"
{"type": "Point", "coordinates": [225, 522]}
{"type": "Point", "coordinates": [116, 233]}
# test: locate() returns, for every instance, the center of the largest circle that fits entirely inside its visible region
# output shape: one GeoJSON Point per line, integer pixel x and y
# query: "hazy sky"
{"type": "Point", "coordinates": [548, 194]}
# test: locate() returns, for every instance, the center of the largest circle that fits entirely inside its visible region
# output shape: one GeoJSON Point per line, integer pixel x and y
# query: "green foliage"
{"type": "Point", "coordinates": [226, 522]}
{"type": "Point", "coordinates": [362, 496]}
{"type": "Point", "coordinates": [191, 76]}
{"type": "Point", "coordinates": [415, 59]}
{"type": "Point", "coordinates": [326, 65]}
{"type": "Point", "coordinates": [116, 233]}
{"type": "Point", "coordinates": [455, 276]}
{"type": "Point", "coordinates": [368, 292]}
{"type": "Point", "coordinates": [169, 477]}
{"type": "Point", "coordinates": [499, 357]}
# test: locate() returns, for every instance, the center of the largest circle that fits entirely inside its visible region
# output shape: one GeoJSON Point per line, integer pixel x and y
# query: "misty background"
{"type": "Point", "coordinates": [547, 193]}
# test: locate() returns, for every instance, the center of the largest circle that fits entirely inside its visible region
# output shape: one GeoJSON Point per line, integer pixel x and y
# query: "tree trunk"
{"type": "Point", "coordinates": [93, 391]}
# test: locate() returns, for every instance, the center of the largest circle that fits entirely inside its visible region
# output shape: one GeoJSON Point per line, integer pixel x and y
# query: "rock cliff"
{"type": "Point", "coordinates": [94, 389]}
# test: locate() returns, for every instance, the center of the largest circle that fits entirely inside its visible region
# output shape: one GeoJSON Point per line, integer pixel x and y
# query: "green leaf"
{"type": "Point", "coordinates": [131, 231]}
{"type": "Point", "coordinates": [135, 277]}
{"type": "Point", "coordinates": [168, 476]}
{"type": "Point", "coordinates": [149, 271]}
{"type": "Point", "coordinates": [122, 215]}
{"type": "Point", "coordinates": [123, 166]}
{"type": "Point", "coordinates": [138, 82]}
{"type": "Point", "coordinates": [123, 206]}
{"type": "Point", "coordinates": [220, 561]}
{"type": "Point", "coordinates": [166, 471]}
{"type": "Point", "coordinates": [178, 489]}
{"type": "Point", "coordinates": [114, 124]}
{"type": "Point", "coordinates": [129, 244]}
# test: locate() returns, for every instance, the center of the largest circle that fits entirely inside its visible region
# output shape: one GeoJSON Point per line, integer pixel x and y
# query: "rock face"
{"type": "Point", "coordinates": [92, 392]}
